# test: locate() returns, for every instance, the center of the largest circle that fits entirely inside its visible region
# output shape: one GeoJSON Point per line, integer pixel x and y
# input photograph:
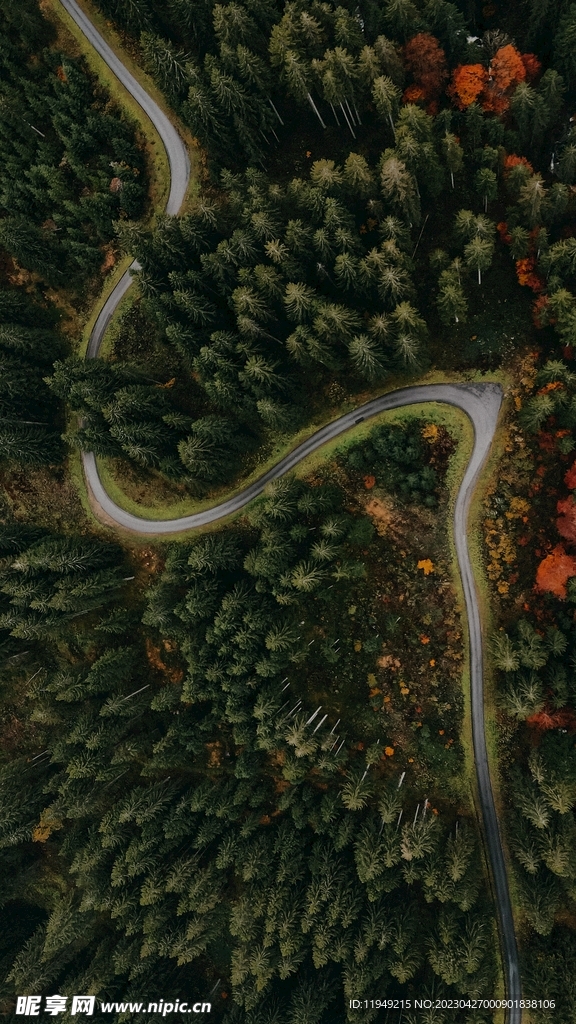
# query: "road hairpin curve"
{"type": "Point", "coordinates": [480, 402]}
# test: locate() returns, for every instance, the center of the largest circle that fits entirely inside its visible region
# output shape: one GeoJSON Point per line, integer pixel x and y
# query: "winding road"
{"type": "Point", "coordinates": [480, 402]}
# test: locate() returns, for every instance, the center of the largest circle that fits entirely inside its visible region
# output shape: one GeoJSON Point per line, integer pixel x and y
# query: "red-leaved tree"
{"type": "Point", "coordinates": [426, 60]}
{"type": "Point", "coordinates": [511, 160]}
{"type": "Point", "coordinates": [532, 66]}
{"type": "Point", "coordinates": [547, 719]}
{"type": "Point", "coordinates": [554, 572]}
{"type": "Point", "coordinates": [570, 477]}
{"type": "Point", "coordinates": [566, 522]}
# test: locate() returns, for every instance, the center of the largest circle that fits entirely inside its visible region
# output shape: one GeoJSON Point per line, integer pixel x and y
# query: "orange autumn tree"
{"type": "Point", "coordinates": [493, 87]}
{"type": "Point", "coordinates": [566, 522]}
{"type": "Point", "coordinates": [547, 719]}
{"type": "Point", "coordinates": [554, 572]}
{"type": "Point", "coordinates": [526, 274]}
{"type": "Point", "coordinates": [505, 72]}
{"type": "Point", "coordinates": [511, 160]}
{"type": "Point", "coordinates": [413, 94]}
{"type": "Point", "coordinates": [426, 60]}
{"type": "Point", "coordinates": [539, 315]}
{"type": "Point", "coordinates": [468, 82]}
{"type": "Point", "coordinates": [507, 68]}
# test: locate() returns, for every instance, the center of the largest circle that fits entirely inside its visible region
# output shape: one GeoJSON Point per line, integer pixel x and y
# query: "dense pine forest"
{"type": "Point", "coordinates": [198, 808]}
{"type": "Point", "coordinates": [419, 208]}
{"type": "Point", "coordinates": [236, 766]}
{"type": "Point", "coordinates": [71, 167]}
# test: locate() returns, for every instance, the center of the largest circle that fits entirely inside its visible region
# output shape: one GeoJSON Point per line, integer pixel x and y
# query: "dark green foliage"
{"type": "Point", "coordinates": [212, 450]}
{"type": "Point", "coordinates": [261, 303]}
{"type": "Point", "coordinates": [203, 823]}
{"type": "Point", "coordinates": [89, 384]}
{"type": "Point", "coordinates": [550, 967]}
{"type": "Point", "coordinates": [45, 583]}
{"type": "Point", "coordinates": [267, 289]}
{"type": "Point", "coordinates": [565, 40]}
{"type": "Point", "coordinates": [18, 819]}
{"type": "Point", "coordinates": [28, 411]}
{"type": "Point", "coordinates": [263, 293]}
{"type": "Point", "coordinates": [399, 459]}
{"type": "Point", "coordinates": [558, 403]}
{"type": "Point", "coordinates": [361, 533]}
{"type": "Point", "coordinates": [122, 415]}
{"type": "Point", "coordinates": [235, 71]}
{"type": "Point", "coordinates": [29, 446]}
{"type": "Point", "coordinates": [70, 165]}
{"type": "Point", "coordinates": [191, 825]}
{"type": "Point", "coordinates": [536, 684]}
{"type": "Point", "coordinates": [59, 196]}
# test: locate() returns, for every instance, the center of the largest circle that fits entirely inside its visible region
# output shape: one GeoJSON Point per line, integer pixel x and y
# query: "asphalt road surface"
{"type": "Point", "coordinates": [173, 144]}
{"type": "Point", "coordinates": [480, 402]}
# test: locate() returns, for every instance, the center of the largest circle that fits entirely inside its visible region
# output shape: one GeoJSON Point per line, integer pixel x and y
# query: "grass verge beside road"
{"type": "Point", "coordinates": [143, 497]}
{"type": "Point", "coordinates": [108, 286]}
{"type": "Point", "coordinates": [72, 38]}
{"type": "Point", "coordinates": [123, 97]}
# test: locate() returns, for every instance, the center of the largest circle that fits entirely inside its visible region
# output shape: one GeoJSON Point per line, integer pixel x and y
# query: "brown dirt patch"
{"type": "Point", "coordinates": [386, 518]}
{"type": "Point", "coordinates": [153, 654]}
